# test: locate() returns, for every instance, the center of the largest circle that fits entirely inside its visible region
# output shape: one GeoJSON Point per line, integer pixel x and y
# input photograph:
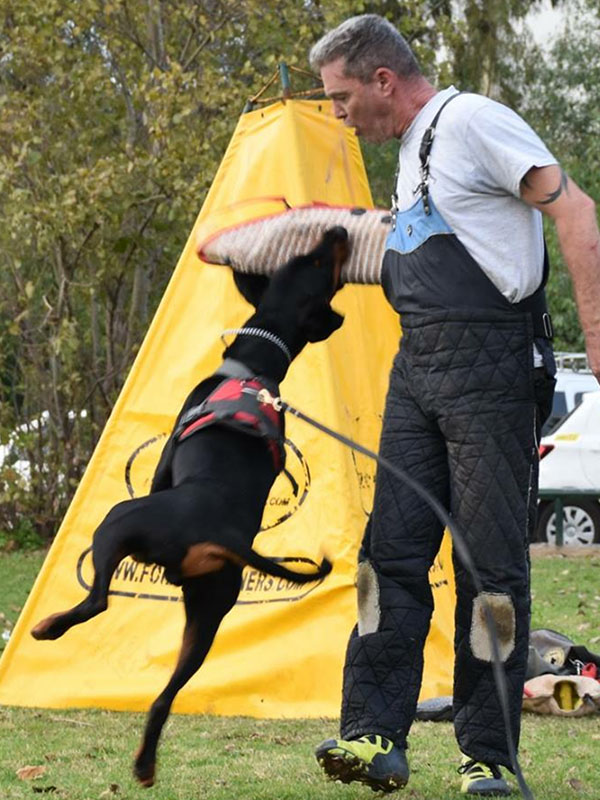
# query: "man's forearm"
{"type": "Point", "coordinates": [551, 191]}
{"type": "Point", "coordinates": [580, 244]}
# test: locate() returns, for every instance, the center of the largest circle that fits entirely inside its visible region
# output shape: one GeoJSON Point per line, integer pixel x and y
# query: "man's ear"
{"type": "Point", "coordinates": [320, 322]}
{"type": "Point", "coordinates": [251, 287]}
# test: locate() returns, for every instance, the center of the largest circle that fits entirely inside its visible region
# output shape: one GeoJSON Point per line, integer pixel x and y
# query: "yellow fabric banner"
{"type": "Point", "coordinates": [279, 653]}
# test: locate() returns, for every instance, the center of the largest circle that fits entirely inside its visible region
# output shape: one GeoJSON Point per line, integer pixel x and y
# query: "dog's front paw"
{"type": "Point", "coordinates": [49, 628]}
{"type": "Point", "coordinates": [144, 771]}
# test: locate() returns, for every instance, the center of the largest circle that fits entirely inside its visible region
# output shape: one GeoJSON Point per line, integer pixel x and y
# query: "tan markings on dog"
{"type": "Point", "coordinates": [40, 629]}
{"type": "Point", "coordinates": [340, 254]}
{"type": "Point", "coordinates": [148, 779]}
{"type": "Point", "coordinates": [207, 557]}
{"type": "Point", "coordinates": [190, 639]}
{"type": "Point", "coordinates": [337, 274]}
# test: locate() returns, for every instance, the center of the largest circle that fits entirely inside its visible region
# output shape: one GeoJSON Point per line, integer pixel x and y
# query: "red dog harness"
{"type": "Point", "coordinates": [234, 403]}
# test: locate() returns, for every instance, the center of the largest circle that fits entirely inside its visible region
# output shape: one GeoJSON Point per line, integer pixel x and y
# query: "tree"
{"type": "Point", "coordinates": [114, 117]}
{"type": "Point", "coordinates": [478, 45]}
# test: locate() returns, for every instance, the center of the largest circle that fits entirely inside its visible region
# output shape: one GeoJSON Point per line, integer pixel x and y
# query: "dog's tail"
{"type": "Point", "coordinates": [277, 569]}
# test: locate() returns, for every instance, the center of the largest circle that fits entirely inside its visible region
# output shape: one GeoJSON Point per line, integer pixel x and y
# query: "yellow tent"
{"type": "Point", "coordinates": [279, 653]}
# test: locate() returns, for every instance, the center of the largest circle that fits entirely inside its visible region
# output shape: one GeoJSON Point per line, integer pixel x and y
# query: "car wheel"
{"type": "Point", "coordinates": [581, 522]}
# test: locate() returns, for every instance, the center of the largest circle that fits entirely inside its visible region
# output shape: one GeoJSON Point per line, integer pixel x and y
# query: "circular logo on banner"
{"type": "Point", "coordinates": [147, 581]}
{"type": "Point", "coordinates": [141, 464]}
{"type": "Point", "coordinates": [287, 494]}
{"type": "Point", "coordinates": [365, 475]}
{"type": "Point", "coordinates": [141, 581]}
{"type": "Point", "coordinates": [289, 490]}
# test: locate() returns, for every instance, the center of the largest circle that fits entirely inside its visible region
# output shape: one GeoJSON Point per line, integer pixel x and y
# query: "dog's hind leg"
{"type": "Point", "coordinates": [207, 600]}
{"type": "Point", "coordinates": [110, 545]}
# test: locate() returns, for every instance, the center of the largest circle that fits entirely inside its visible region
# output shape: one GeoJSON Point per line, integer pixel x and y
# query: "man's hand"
{"type": "Point", "coordinates": [550, 190]}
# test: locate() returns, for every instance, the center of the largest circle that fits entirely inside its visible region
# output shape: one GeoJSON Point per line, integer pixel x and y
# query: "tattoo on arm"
{"type": "Point", "coordinates": [552, 196]}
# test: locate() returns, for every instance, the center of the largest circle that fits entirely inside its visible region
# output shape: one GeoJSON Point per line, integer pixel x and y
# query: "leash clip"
{"type": "Point", "coordinates": [264, 396]}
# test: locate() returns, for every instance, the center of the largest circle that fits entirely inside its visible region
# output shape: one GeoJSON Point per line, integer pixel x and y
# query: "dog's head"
{"type": "Point", "coordinates": [294, 303]}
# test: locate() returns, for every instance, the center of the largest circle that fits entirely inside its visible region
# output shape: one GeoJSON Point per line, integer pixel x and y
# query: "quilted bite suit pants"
{"type": "Point", "coordinates": [461, 415]}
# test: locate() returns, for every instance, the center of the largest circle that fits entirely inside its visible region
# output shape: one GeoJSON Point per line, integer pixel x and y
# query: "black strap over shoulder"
{"type": "Point", "coordinates": [425, 154]}
{"type": "Point", "coordinates": [535, 304]}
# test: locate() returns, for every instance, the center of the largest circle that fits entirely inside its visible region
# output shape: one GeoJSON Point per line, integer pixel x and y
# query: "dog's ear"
{"type": "Point", "coordinates": [251, 287]}
{"type": "Point", "coordinates": [320, 321]}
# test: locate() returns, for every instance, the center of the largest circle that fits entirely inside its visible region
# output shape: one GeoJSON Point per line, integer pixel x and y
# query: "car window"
{"type": "Point", "coordinates": [578, 396]}
{"type": "Point", "coordinates": [561, 421]}
{"type": "Point", "coordinates": [551, 423]}
{"type": "Point", "coordinates": [559, 404]}
{"type": "Point", "coordinates": [559, 410]}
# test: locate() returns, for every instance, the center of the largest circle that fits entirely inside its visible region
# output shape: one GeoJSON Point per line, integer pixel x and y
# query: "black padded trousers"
{"type": "Point", "coordinates": [461, 417]}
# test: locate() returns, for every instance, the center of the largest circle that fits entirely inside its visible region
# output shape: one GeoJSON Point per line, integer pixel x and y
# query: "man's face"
{"type": "Point", "coordinates": [366, 107]}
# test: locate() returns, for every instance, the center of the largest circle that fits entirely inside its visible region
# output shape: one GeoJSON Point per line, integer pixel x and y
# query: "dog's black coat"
{"type": "Point", "coordinates": [209, 490]}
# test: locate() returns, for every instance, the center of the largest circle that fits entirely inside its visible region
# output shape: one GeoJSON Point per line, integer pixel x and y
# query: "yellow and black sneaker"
{"type": "Point", "coordinates": [372, 760]}
{"type": "Point", "coordinates": [482, 779]}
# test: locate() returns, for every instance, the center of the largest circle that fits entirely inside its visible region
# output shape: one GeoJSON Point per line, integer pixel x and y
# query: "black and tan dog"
{"type": "Point", "coordinates": [212, 481]}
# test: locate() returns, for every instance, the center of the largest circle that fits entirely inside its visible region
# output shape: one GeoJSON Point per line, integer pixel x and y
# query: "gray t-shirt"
{"type": "Point", "coordinates": [481, 152]}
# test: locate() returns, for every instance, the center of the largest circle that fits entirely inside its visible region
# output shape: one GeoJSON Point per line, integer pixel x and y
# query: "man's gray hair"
{"type": "Point", "coordinates": [366, 43]}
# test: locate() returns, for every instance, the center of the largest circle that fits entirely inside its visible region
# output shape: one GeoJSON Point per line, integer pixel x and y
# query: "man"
{"type": "Point", "coordinates": [469, 390]}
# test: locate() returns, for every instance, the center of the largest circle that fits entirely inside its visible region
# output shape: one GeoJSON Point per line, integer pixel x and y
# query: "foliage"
{"type": "Point", "coordinates": [114, 118]}
{"type": "Point", "coordinates": [474, 44]}
{"type": "Point", "coordinates": [22, 535]}
{"type": "Point", "coordinates": [115, 115]}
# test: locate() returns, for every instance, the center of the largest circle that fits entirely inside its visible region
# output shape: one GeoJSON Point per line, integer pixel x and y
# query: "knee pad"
{"type": "Point", "coordinates": [502, 610]}
{"type": "Point", "coordinates": [367, 587]}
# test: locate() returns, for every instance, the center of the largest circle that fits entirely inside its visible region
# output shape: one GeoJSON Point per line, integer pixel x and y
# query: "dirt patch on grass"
{"type": "Point", "coordinates": [541, 549]}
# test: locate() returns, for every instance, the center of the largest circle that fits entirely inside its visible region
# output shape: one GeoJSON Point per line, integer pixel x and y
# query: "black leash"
{"type": "Point", "coordinates": [463, 553]}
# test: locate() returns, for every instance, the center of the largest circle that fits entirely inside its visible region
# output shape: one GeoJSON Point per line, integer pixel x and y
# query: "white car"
{"type": "Point", "coordinates": [570, 470]}
{"type": "Point", "coordinates": [574, 378]}
{"type": "Point", "coordinates": [13, 453]}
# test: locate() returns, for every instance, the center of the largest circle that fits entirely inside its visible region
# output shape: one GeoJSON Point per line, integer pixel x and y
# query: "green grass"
{"type": "Point", "coordinates": [87, 754]}
{"type": "Point", "coordinates": [18, 571]}
{"type": "Point", "coordinates": [566, 597]}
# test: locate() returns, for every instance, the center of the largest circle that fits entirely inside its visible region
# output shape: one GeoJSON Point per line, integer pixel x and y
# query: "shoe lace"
{"type": "Point", "coordinates": [479, 769]}
{"type": "Point", "coordinates": [381, 743]}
